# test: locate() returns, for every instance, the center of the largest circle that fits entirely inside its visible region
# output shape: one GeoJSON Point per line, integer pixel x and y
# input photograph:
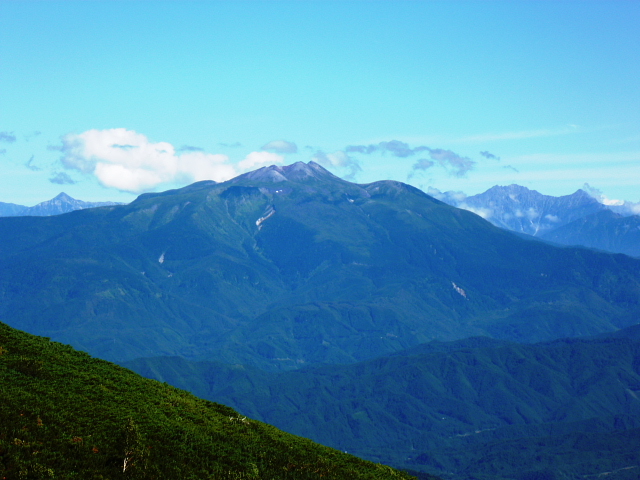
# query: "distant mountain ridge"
{"type": "Point", "coordinates": [604, 230]}
{"type": "Point", "coordinates": [576, 219]}
{"type": "Point", "coordinates": [527, 211]}
{"type": "Point", "coordinates": [61, 203]}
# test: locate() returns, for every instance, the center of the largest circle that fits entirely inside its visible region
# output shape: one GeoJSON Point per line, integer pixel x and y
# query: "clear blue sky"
{"type": "Point", "coordinates": [104, 100]}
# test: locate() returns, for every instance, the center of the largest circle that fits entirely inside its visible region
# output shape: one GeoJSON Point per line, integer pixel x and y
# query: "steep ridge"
{"type": "Point", "coordinates": [291, 266]}
{"type": "Point", "coordinates": [475, 408]}
{"type": "Point", "coordinates": [519, 209]}
{"type": "Point", "coordinates": [64, 414]}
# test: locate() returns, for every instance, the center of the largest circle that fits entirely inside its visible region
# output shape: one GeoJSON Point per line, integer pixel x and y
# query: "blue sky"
{"type": "Point", "coordinates": [105, 100]}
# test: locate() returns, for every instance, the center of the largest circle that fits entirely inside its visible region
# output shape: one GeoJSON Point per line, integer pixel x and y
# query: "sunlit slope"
{"type": "Point", "coordinates": [288, 266]}
{"type": "Point", "coordinates": [64, 414]}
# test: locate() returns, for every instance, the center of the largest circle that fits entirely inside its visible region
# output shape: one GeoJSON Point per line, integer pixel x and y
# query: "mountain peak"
{"type": "Point", "coordinates": [61, 198]}
{"type": "Point", "coordinates": [294, 172]}
{"type": "Point", "coordinates": [272, 174]}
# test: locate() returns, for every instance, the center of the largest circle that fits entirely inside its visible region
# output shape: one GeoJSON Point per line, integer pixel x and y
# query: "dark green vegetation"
{"type": "Point", "coordinates": [66, 415]}
{"type": "Point", "coordinates": [286, 267]}
{"type": "Point", "coordinates": [471, 409]}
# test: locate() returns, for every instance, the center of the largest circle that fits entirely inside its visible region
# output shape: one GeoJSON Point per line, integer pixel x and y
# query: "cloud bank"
{"type": "Point", "coordinates": [128, 161]}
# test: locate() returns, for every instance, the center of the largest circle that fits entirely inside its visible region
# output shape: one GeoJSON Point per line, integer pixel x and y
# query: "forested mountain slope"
{"type": "Point", "coordinates": [476, 408]}
{"type": "Point", "coordinates": [66, 415]}
{"type": "Point", "coordinates": [291, 266]}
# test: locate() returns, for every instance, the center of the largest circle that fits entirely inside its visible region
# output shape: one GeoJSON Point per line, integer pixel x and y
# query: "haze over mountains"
{"type": "Point", "coordinates": [576, 219]}
{"type": "Point", "coordinates": [244, 291]}
{"type": "Point", "coordinates": [62, 203]}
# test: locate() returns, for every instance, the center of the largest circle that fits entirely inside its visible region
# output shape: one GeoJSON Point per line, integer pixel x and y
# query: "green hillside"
{"type": "Point", "coordinates": [475, 408]}
{"type": "Point", "coordinates": [291, 266]}
{"type": "Point", "coordinates": [64, 415]}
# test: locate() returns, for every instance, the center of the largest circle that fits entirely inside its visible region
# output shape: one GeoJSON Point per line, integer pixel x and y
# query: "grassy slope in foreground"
{"type": "Point", "coordinates": [64, 414]}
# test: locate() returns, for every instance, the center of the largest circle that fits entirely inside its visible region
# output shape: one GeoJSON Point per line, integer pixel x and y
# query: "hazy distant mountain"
{"type": "Point", "coordinates": [528, 211]}
{"type": "Point", "coordinates": [604, 230]}
{"type": "Point", "coordinates": [291, 266]}
{"type": "Point", "coordinates": [62, 203]}
{"type": "Point", "coordinates": [11, 209]}
{"type": "Point", "coordinates": [576, 219]}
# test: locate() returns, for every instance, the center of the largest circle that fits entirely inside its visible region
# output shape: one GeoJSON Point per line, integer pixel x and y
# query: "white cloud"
{"type": "Point", "coordinates": [128, 161]}
{"type": "Point", "coordinates": [451, 197]}
{"type": "Point", "coordinates": [485, 213]}
{"type": "Point", "coordinates": [260, 159]}
{"type": "Point", "coordinates": [532, 213]}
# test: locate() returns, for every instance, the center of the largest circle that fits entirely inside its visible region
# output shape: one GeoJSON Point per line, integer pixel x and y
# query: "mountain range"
{"type": "Point", "coordinates": [374, 318]}
{"type": "Point", "coordinates": [289, 266]}
{"type": "Point", "coordinates": [62, 203]}
{"type": "Point", "coordinates": [570, 407]}
{"type": "Point", "coordinates": [576, 219]}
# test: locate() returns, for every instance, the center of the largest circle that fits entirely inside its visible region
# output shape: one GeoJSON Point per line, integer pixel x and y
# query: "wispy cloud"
{"type": "Point", "coordinates": [62, 178]}
{"type": "Point", "coordinates": [519, 135]}
{"type": "Point", "coordinates": [394, 147]}
{"type": "Point", "coordinates": [29, 164]}
{"type": "Point", "coordinates": [420, 166]}
{"type": "Point", "coordinates": [7, 137]}
{"type": "Point", "coordinates": [281, 146]}
{"type": "Point", "coordinates": [545, 160]}
{"type": "Point", "coordinates": [456, 165]}
{"type": "Point", "coordinates": [339, 159]}
{"type": "Point", "coordinates": [489, 155]}
{"type": "Point", "coordinates": [29, 136]}
{"type": "Point", "coordinates": [189, 148]}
